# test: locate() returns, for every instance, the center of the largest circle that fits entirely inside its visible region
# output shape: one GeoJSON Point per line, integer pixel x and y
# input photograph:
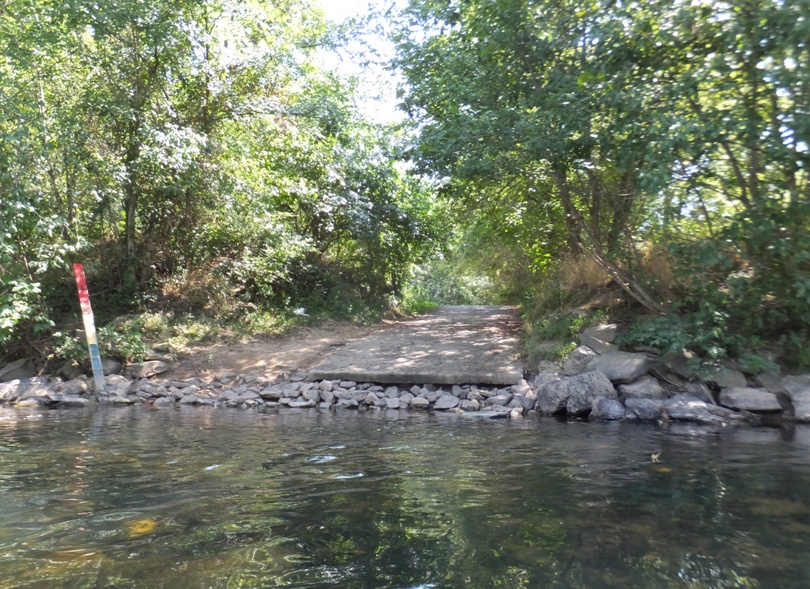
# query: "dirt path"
{"type": "Point", "coordinates": [295, 351]}
{"type": "Point", "coordinates": [462, 345]}
{"type": "Point", "coordinates": [455, 345]}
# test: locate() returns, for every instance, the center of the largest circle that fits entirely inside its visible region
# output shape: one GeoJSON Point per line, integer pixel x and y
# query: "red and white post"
{"type": "Point", "coordinates": [89, 327]}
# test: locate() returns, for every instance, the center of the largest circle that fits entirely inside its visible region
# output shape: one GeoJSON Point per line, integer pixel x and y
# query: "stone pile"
{"type": "Point", "coordinates": [597, 381]}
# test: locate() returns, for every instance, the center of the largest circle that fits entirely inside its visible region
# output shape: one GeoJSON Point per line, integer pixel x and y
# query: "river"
{"type": "Point", "coordinates": [213, 498]}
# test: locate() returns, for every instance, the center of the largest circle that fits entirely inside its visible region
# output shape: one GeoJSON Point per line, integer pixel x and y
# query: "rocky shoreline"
{"type": "Point", "coordinates": [597, 382]}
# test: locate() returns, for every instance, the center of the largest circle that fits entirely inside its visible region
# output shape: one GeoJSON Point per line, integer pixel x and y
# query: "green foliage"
{"type": "Point", "coordinates": [194, 156]}
{"type": "Point", "coordinates": [554, 334]}
{"type": "Point", "coordinates": [121, 340]}
{"type": "Point", "coordinates": [606, 127]}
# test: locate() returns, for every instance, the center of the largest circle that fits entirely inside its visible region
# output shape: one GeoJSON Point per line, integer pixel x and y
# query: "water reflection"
{"type": "Point", "coordinates": [209, 498]}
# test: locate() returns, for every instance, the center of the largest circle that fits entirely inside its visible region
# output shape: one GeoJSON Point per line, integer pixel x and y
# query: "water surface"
{"type": "Point", "coordinates": [195, 497]}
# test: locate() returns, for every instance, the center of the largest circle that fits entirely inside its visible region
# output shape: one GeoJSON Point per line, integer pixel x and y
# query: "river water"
{"type": "Point", "coordinates": [211, 498]}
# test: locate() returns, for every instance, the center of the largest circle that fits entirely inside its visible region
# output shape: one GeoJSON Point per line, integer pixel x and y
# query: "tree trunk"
{"type": "Point", "coordinates": [593, 248]}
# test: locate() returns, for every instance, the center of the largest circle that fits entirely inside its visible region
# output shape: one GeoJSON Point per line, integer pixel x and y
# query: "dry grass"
{"type": "Point", "coordinates": [581, 273]}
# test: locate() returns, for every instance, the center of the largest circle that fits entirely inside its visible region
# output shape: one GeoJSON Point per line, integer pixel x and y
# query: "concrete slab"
{"type": "Point", "coordinates": [454, 345]}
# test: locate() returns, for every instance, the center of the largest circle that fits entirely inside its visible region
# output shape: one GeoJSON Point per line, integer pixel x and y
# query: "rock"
{"type": "Point", "coordinates": [147, 369]}
{"type": "Point", "coordinates": [302, 404]}
{"type": "Point", "coordinates": [607, 409]}
{"type": "Point", "coordinates": [545, 378]}
{"type": "Point", "coordinates": [700, 390]}
{"type": "Point", "coordinates": [70, 370]}
{"type": "Point", "coordinates": [516, 413]}
{"type": "Point", "coordinates": [644, 409]}
{"type": "Point", "coordinates": [420, 403]}
{"type": "Point", "coordinates": [13, 390]}
{"type": "Point", "coordinates": [325, 385]}
{"type": "Point", "coordinates": [749, 399]}
{"type": "Point", "coordinates": [646, 387]}
{"type": "Point", "coordinates": [431, 396]}
{"type": "Point", "coordinates": [273, 393]}
{"type": "Point", "coordinates": [17, 370]}
{"type": "Point", "coordinates": [73, 387]}
{"type": "Point", "coordinates": [391, 392]}
{"type": "Point", "coordinates": [164, 402]}
{"type": "Point", "coordinates": [312, 394]}
{"type": "Point", "coordinates": [546, 366]}
{"type": "Point", "coordinates": [605, 333]}
{"type": "Point", "coordinates": [31, 402]}
{"type": "Point", "coordinates": [771, 382]}
{"type": "Point", "coordinates": [575, 394]}
{"type": "Point", "coordinates": [328, 397]}
{"type": "Point", "coordinates": [117, 400]}
{"type": "Point", "coordinates": [525, 402]}
{"type": "Point", "coordinates": [347, 404]}
{"type": "Point", "coordinates": [290, 390]}
{"type": "Point", "coordinates": [392, 403]}
{"type": "Point", "coordinates": [405, 400]}
{"type": "Point", "coordinates": [679, 364]}
{"type": "Point", "coordinates": [499, 399]}
{"type": "Point", "coordinates": [416, 390]}
{"type": "Point", "coordinates": [578, 361]}
{"type": "Point", "coordinates": [70, 401]}
{"type": "Point", "coordinates": [727, 378]}
{"type": "Point", "coordinates": [500, 410]}
{"type": "Point", "coordinates": [445, 402]}
{"type": "Point", "coordinates": [468, 405]}
{"type": "Point", "coordinates": [110, 366]}
{"type": "Point", "coordinates": [688, 408]}
{"type": "Point", "coordinates": [486, 415]}
{"type": "Point", "coordinates": [347, 384]}
{"type": "Point", "coordinates": [189, 400]}
{"type": "Point", "coordinates": [246, 396]}
{"type": "Point", "coordinates": [370, 399]}
{"type": "Point", "coordinates": [596, 343]}
{"type": "Point", "coordinates": [522, 388]}
{"type": "Point", "coordinates": [225, 376]}
{"type": "Point", "coordinates": [798, 390]}
{"type": "Point", "coordinates": [620, 366]}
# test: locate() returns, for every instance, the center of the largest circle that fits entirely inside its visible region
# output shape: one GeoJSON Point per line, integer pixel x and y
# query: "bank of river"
{"type": "Point", "coordinates": [203, 497]}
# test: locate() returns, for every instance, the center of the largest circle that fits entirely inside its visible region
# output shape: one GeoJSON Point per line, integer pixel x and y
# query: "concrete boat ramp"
{"type": "Point", "coordinates": [454, 345]}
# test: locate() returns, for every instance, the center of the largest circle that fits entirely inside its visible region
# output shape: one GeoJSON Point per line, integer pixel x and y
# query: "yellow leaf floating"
{"type": "Point", "coordinates": [664, 469]}
{"type": "Point", "coordinates": [139, 527]}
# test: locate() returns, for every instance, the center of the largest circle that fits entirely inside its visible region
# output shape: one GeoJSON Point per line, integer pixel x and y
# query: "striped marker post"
{"type": "Point", "coordinates": [89, 327]}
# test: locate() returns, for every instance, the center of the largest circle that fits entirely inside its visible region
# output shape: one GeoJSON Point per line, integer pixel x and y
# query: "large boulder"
{"type": "Point", "coordinates": [798, 389]}
{"type": "Point", "coordinates": [688, 408]}
{"type": "Point", "coordinates": [727, 378]}
{"type": "Point", "coordinates": [17, 389]}
{"type": "Point", "coordinates": [578, 361]}
{"type": "Point", "coordinates": [748, 399]}
{"type": "Point", "coordinates": [620, 366]}
{"type": "Point", "coordinates": [646, 387]}
{"type": "Point", "coordinates": [575, 395]}
{"type": "Point", "coordinates": [19, 369]}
